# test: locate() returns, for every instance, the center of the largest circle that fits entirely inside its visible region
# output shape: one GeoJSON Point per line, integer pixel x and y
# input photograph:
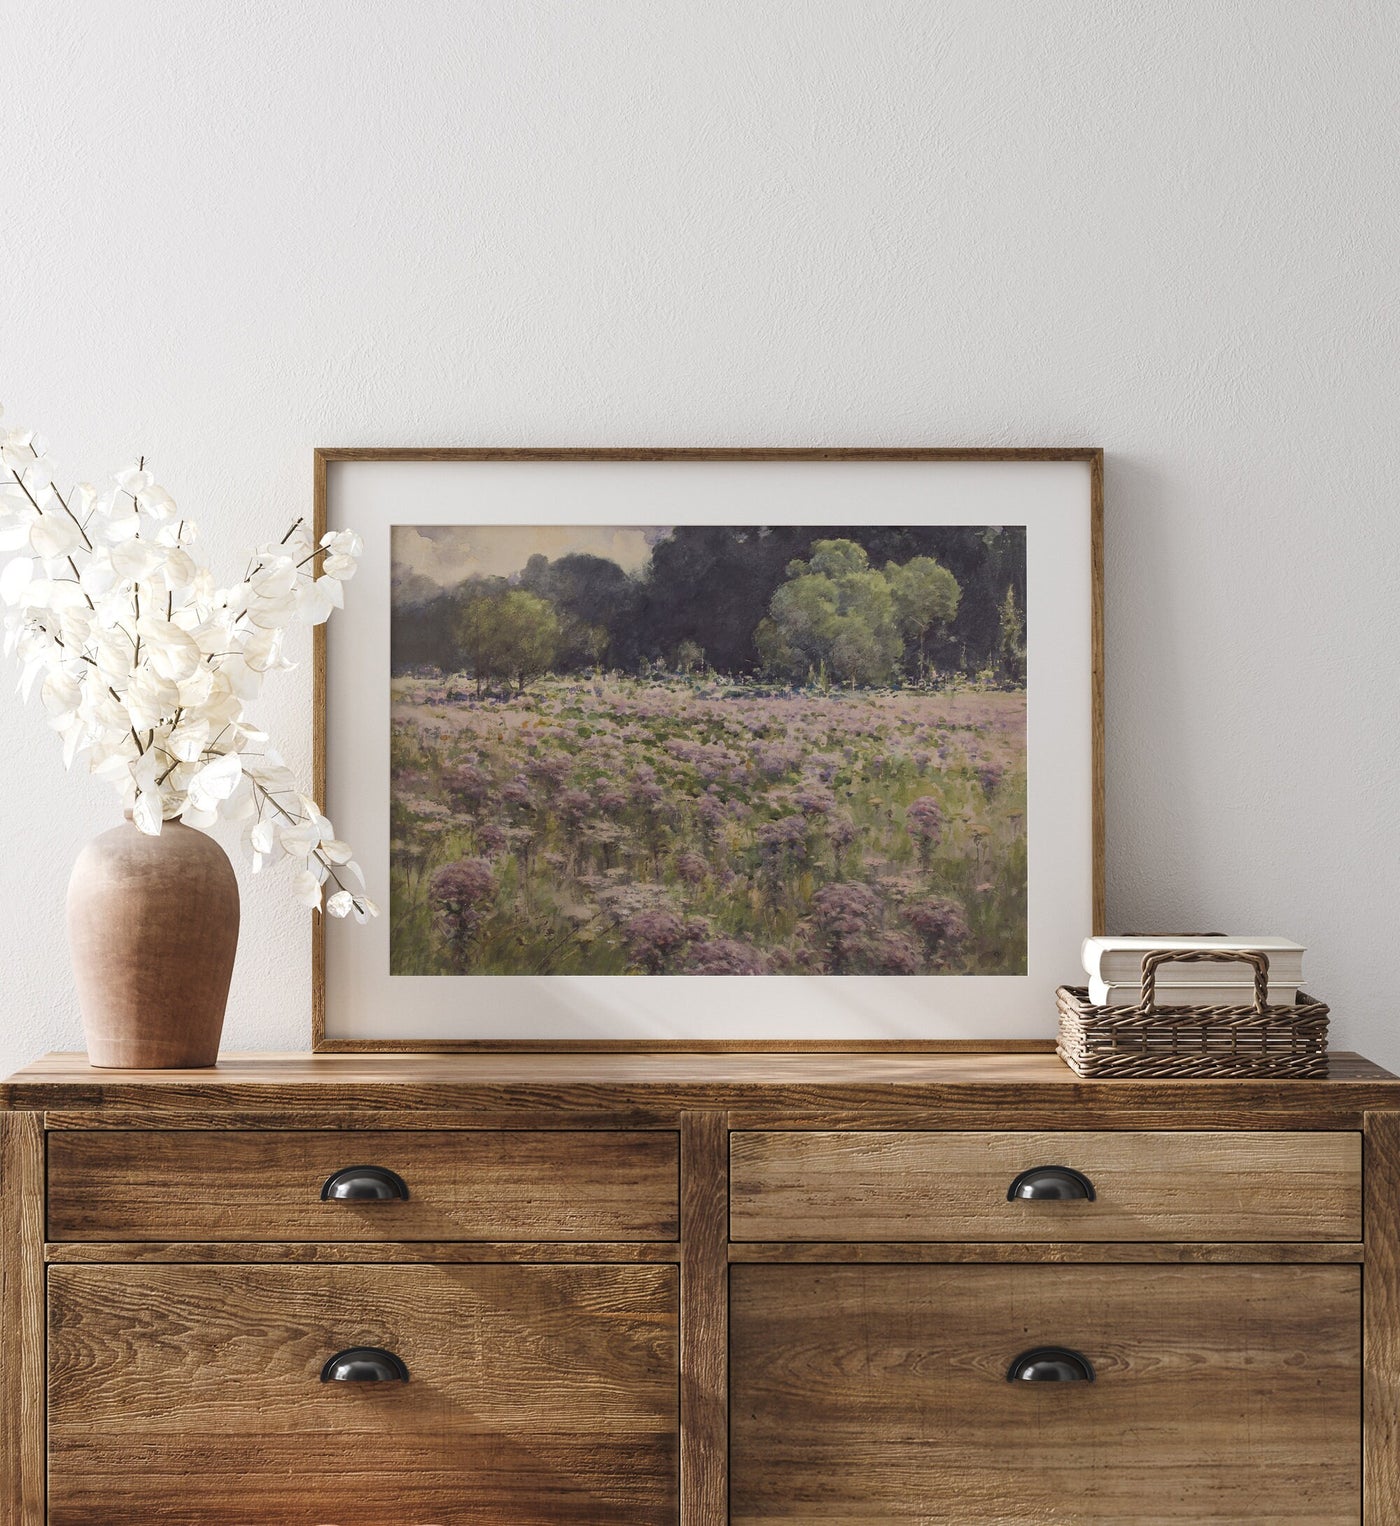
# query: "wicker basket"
{"type": "Point", "coordinates": [1193, 1042]}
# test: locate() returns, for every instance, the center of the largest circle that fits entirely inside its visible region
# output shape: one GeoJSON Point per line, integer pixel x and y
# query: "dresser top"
{"type": "Point", "coordinates": [993, 1088]}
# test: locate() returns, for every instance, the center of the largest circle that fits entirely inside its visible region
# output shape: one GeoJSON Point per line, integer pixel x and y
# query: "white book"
{"type": "Point", "coordinates": [1182, 994]}
{"type": "Point", "coordinates": [1119, 960]}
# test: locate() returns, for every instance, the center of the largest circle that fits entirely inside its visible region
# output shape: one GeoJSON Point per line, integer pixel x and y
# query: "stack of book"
{"type": "Point", "coordinates": [1114, 967]}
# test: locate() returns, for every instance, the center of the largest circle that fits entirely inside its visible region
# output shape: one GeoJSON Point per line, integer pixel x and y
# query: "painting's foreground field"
{"type": "Point", "coordinates": [605, 826]}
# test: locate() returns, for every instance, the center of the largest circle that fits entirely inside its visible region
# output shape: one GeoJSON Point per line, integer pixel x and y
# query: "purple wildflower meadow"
{"type": "Point", "coordinates": [700, 825]}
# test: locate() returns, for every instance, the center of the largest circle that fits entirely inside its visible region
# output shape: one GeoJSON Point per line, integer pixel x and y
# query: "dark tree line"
{"type": "Point", "coordinates": [707, 596]}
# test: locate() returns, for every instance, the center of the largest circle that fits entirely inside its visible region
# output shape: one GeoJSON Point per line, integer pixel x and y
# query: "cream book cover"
{"type": "Point", "coordinates": [1118, 959]}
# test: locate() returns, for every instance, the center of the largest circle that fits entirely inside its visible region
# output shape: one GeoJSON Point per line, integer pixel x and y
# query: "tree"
{"type": "Point", "coordinates": [512, 636]}
{"type": "Point", "coordinates": [594, 599]}
{"type": "Point", "coordinates": [711, 584]}
{"type": "Point", "coordinates": [925, 594]}
{"type": "Point", "coordinates": [714, 585]}
{"type": "Point", "coordinates": [592, 589]}
{"type": "Point", "coordinates": [580, 646]}
{"type": "Point", "coordinates": [1011, 647]}
{"type": "Point", "coordinates": [689, 657]}
{"type": "Point", "coordinates": [834, 614]}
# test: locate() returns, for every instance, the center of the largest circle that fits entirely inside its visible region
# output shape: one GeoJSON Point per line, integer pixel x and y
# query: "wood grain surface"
{"type": "Point", "coordinates": [536, 1395]}
{"type": "Point", "coordinates": [1216, 1282]}
{"type": "Point", "coordinates": [1382, 1287]}
{"type": "Point", "coordinates": [951, 1090]}
{"type": "Point", "coordinates": [1224, 1395]}
{"type": "Point", "coordinates": [1031, 1253]}
{"type": "Point", "coordinates": [1149, 1186]}
{"type": "Point", "coordinates": [223, 1185]}
{"type": "Point", "coordinates": [21, 1321]}
{"type": "Point", "coordinates": [704, 1320]}
{"type": "Point", "coordinates": [369, 1252]}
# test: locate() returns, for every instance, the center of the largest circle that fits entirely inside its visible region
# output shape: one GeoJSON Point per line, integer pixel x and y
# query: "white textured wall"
{"type": "Point", "coordinates": [232, 231]}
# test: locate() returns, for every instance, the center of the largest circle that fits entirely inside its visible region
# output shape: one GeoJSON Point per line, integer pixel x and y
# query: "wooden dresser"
{"type": "Point", "coordinates": [830, 1289]}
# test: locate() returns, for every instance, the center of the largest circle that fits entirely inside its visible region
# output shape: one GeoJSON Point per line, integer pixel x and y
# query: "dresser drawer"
{"type": "Point", "coordinates": [189, 1185]}
{"type": "Point", "coordinates": [1146, 1186]}
{"type": "Point", "coordinates": [879, 1394]}
{"type": "Point", "coordinates": [535, 1395]}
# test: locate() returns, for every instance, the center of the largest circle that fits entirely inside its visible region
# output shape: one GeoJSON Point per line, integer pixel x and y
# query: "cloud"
{"type": "Point", "coordinates": [446, 554]}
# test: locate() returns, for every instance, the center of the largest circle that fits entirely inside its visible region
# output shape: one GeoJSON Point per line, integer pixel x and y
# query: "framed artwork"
{"type": "Point", "coordinates": [711, 748]}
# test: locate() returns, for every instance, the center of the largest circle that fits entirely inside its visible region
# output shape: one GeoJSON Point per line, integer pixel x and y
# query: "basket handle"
{"type": "Point", "coordinates": [1150, 963]}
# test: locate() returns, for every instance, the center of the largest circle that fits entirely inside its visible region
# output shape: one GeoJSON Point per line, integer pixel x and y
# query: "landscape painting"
{"type": "Point", "coordinates": [699, 750]}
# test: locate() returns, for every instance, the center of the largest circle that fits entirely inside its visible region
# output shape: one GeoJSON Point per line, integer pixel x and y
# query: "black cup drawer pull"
{"type": "Point", "coordinates": [365, 1184]}
{"type": "Point", "coordinates": [1051, 1364]}
{"type": "Point", "coordinates": [364, 1364]}
{"type": "Point", "coordinates": [1049, 1184]}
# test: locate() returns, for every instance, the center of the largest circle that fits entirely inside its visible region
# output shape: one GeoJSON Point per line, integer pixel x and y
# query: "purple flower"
{"type": "Point", "coordinates": [574, 804]}
{"type": "Point", "coordinates": [467, 785]}
{"type": "Point", "coordinates": [711, 811]}
{"type": "Point", "coordinates": [692, 868]}
{"type": "Point", "coordinates": [845, 917]}
{"type": "Point", "coordinates": [774, 759]}
{"type": "Point", "coordinates": [710, 760]}
{"type": "Point", "coordinates": [925, 818]}
{"type": "Point", "coordinates": [799, 959]}
{"type": "Point", "coordinates": [463, 893]}
{"type": "Point", "coordinates": [652, 938]}
{"type": "Point", "coordinates": [925, 821]}
{"type": "Point", "coordinates": [989, 775]}
{"type": "Point", "coordinates": [491, 839]}
{"type": "Point", "coordinates": [893, 954]}
{"type": "Point", "coordinates": [725, 956]}
{"type": "Point", "coordinates": [846, 910]}
{"type": "Point", "coordinates": [550, 770]}
{"type": "Point", "coordinates": [941, 923]}
{"type": "Point", "coordinates": [517, 791]}
{"type": "Point", "coordinates": [785, 836]}
{"type": "Point", "coordinates": [841, 830]}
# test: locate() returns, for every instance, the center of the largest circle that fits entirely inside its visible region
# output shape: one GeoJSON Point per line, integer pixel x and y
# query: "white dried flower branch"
{"type": "Point", "coordinates": [145, 665]}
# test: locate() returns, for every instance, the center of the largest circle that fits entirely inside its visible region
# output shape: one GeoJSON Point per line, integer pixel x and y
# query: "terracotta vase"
{"type": "Point", "coordinates": [153, 928]}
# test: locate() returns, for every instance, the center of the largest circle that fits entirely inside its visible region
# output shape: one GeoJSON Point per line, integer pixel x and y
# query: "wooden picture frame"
{"type": "Point", "coordinates": [1092, 458]}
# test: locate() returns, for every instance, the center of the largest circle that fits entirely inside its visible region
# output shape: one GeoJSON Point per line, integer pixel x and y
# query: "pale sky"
{"type": "Point", "coordinates": [448, 553]}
